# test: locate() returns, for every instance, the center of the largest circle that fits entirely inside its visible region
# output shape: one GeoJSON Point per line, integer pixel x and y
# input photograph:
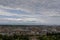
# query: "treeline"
{"type": "Point", "coordinates": [48, 36]}
{"type": "Point", "coordinates": [28, 26]}
{"type": "Point", "coordinates": [14, 37]}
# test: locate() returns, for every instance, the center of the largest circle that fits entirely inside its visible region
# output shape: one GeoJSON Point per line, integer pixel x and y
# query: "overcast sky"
{"type": "Point", "coordinates": [30, 12]}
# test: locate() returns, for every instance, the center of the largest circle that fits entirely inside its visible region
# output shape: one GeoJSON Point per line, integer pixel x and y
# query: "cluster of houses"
{"type": "Point", "coordinates": [27, 30]}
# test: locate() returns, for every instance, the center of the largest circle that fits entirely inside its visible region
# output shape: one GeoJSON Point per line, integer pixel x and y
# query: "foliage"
{"type": "Point", "coordinates": [49, 36]}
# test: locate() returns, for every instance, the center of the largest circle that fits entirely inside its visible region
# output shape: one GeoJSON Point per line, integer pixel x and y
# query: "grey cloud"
{"type": "Point", "coordinates": [34, 5]}
{"type": "Point", "coordinates": [46, 11]}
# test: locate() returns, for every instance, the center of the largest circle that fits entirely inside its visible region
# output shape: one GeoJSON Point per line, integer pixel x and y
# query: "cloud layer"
{"type": "Point", "coordinates": [30, 12]}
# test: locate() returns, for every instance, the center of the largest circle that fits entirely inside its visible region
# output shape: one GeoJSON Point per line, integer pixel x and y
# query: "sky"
{"type": "Point", "coordinates": [30, 12]}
